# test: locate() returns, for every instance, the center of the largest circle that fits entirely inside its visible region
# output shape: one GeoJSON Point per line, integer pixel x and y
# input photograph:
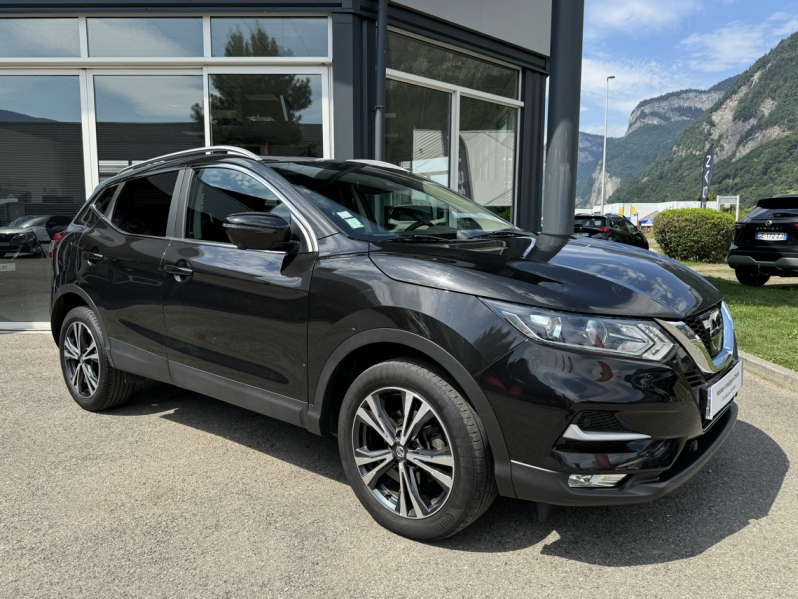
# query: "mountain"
{"type": "Point", "coordinates": [654, 126]}
{"type": "Point", "coordinates": [8, 116]}
{"type": "Point", "coordinates": [754, 127]}
{"type": "Point", "coordinates": [591, 147]}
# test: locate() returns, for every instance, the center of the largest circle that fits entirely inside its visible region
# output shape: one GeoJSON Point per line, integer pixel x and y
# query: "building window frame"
{"type": "Point", "coordinates": [457, 92]}
{"type": "Point", "coordinates": [86, 68]}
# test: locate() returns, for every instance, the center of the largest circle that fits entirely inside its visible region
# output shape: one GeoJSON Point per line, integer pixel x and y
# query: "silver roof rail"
{"type": "Point", "coordinates": [381, 163]}
{"type": "Point", "coordinates": [197, 151]}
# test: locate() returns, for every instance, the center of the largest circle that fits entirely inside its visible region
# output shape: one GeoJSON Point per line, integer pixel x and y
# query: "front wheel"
{"type": "Point", "coordinates": [414, 452]}
{"type": "Point", "coordinates": [93, 383]}
{"type": "Point", "coordinates": [751, 277]}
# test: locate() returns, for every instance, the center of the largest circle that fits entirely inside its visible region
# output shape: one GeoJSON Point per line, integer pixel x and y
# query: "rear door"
{"type": "Point", "coordinates": [120, 268]}
{"type": "Point", "coordinates": [237, 319]}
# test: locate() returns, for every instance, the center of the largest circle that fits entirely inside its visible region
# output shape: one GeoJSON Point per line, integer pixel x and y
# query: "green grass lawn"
{"type": "Point", "coordinates": [765, 318]}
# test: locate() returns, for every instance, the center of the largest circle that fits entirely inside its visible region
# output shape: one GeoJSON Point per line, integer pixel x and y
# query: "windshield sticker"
{"type": "Point", "coordinates": [344, 214]}
{"type": "Point", "coordinates": [354, 223]}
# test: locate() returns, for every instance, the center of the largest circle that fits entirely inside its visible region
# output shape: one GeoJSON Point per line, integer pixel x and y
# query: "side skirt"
{"type": "Point", "coordinates": [244, 396]}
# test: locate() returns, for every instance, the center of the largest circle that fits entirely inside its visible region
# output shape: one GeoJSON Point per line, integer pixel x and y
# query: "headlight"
{"type": "Point", "coordinates": [615, 336]}
{"type": "Point", "coordinates": [22, 237]}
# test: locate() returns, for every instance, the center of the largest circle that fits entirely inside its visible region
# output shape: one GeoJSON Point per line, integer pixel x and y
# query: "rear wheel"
{"type": "Point", "coordinates": [414, 452]}
{"type": "Point", "coordinates": [93, 383]}
{"type": "Point", "coordinates": [751, 277]}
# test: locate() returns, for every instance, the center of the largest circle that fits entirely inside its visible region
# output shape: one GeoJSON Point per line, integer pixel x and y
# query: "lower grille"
{"type": "Point", "coordinates": [599, 421]}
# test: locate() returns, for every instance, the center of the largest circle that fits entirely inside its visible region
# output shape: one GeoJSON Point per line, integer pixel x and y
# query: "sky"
{"type": "Point", "coordinates": [658, 46]}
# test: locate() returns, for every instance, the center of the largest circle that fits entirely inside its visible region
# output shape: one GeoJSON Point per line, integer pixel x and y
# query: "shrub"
{"type": "Point", "coordinates": [697, 234]}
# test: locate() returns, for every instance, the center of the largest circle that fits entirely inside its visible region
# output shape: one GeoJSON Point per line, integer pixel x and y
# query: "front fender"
{"type": "Point", "coordinates": [318, 413]}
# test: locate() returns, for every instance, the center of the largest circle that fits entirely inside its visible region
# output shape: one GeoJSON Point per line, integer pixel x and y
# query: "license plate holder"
{"type": "Point", "coordinates": [767, 236]}
{"type": "Point", "coordinates": [720, 394]}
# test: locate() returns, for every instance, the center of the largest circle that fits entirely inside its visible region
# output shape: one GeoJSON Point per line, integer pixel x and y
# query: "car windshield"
{"type": "Point", "coordinates": [23, 222]}
{"type": "Point", "coordinates": [377, 204]}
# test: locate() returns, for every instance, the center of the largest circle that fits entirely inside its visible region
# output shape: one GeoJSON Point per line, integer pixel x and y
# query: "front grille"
{"type": "Point", "coordinates": [599, 421]}
{"type": "Point", "coordinates": [696, 324]}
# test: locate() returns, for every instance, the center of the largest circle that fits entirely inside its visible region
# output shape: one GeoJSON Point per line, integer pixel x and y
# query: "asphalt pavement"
{"type": "Point", "coordinates": [179, 495]}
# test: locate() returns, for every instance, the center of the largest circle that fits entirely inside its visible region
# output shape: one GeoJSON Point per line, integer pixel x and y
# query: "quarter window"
{"type": "Point", "coordinates": [142, 207]}
{"type": "Point", "coordinates": [216, 193]}
{"type": "Point", "coordinates": [101, 205]}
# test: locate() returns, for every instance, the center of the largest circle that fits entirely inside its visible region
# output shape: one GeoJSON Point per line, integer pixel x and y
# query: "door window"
{"type": "Point", "coordinates": [142, 207]}
{"type": "Point", "coordinates": [216, 193]}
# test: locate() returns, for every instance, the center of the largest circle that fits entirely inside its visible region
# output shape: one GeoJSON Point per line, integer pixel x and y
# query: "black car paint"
{"type": "Point", "coordinates": [274, 334]}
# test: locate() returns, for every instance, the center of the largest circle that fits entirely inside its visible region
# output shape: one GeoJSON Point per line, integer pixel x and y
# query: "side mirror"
{"type": "Point", "coordinates": [257, 231]}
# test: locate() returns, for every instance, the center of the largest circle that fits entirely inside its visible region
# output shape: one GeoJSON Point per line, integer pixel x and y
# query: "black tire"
{"type": "Point", "coordinates": [106, 388]}
{"type": "Point", "coordinates": [473, 486]}
{"type": "Point", "coordinates": [751, 277]}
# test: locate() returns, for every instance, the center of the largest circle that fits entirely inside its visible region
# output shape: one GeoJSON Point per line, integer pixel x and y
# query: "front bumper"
{"type": "Point", "coordinates": [537, 393]}
{"type": "Point", "coordinates": [548, 486]}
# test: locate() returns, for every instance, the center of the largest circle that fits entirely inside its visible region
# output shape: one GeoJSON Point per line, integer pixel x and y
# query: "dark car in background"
{"type": "Point", "coordinates": [31, 234]}
{"type": "Point", "coordinates": [612, 227]}
{"type": "Point", "coordinates": [453, 355]}
{"type": "Point", "coordinates": [765, 241]}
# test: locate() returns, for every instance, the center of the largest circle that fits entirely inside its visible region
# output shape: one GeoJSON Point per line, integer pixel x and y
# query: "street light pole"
{"type": "Point", "coordinates": [604, 158]}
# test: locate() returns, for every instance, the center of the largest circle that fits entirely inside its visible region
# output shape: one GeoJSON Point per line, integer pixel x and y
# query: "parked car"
{"type": "Point", "coordinates": [765, 241]}
{"type": "Point", "coordinates": [613, 227]}
{"type": "Point", "coordinates": [455, 357]}
{"type": "Point", "coordinates": [28, 234]}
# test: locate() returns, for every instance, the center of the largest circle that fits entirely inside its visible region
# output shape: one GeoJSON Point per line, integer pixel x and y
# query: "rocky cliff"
{"type": "Point", "coordinates": [654, 126]}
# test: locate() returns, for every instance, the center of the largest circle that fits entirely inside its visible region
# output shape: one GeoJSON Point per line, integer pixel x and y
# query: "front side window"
{"type": "Point", "coordinates": [142, 207]}
{"type": "Point", "coordinates": [216, 193]}
{"type": "Point", "coordinates": [375, 204]}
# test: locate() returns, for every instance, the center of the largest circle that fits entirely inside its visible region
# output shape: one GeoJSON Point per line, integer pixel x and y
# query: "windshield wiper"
{"type": "Point", "coordinates": [418, 238]}
{"type": "Point", "coordinates": [498, 234]}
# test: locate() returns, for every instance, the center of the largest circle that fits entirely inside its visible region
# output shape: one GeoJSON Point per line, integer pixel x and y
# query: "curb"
{"type": "Point", "coordinates": [778, 375]}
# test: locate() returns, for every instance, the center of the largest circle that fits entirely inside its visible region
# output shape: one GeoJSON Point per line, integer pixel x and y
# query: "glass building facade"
{"type": "Point", "coordinates": [82, 96]}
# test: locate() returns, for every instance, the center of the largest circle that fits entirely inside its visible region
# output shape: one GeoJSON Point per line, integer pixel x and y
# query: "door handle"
{"type": "Point", "coordinates": [178, 271]}
{"type": "Point", "coordinates": [92, 257]}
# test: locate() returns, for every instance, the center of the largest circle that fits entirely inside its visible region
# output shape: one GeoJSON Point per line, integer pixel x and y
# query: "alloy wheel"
{"type": "Point", "coordinates": [81, 359]}
{"type": "Point", "coordinates": [403, 453]}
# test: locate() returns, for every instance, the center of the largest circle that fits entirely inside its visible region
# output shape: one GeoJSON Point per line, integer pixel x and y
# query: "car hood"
{"type": "Point", "coordinates": [17, 230]}
{"type": "Point", "coordinates": [558, 272]}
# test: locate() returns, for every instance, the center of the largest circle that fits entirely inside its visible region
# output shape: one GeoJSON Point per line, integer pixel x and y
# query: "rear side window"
{"type": "Point", "coordinates": [589, 222]}
{"type": "Point", "coordinates": [216, 193]}
{"type": "Point", "coordinates": [142, 207]}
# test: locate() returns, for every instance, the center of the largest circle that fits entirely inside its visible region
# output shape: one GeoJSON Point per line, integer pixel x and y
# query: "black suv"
{"type": "Point", "coordinates": [454, 355]}
{"type": "Point", "coordinates": [612, 227]}
{"type": "Point", "coordinates": [765, 242]}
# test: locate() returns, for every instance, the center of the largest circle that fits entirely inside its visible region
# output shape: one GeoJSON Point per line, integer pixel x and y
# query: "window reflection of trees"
{"type": "Point", "coordinates": [262, 113]}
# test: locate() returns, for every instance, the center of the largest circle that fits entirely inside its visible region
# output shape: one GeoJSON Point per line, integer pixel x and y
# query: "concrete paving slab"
{"type": "Point", "coordinates": [179, 495]}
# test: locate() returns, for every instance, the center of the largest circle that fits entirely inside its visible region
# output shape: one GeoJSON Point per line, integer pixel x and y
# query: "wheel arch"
{"type": "Point", "coordinates": [67, 298]}
{"type": "Point", "coordinates": [367, 348]}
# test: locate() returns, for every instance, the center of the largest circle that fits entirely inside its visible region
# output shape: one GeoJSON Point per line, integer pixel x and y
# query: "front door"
{"type": "Point", "coordinates": [239, 316]}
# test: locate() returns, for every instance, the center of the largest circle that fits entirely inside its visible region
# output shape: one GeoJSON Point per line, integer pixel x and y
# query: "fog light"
{"type": "Point", "coordinates": [595, 480]}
